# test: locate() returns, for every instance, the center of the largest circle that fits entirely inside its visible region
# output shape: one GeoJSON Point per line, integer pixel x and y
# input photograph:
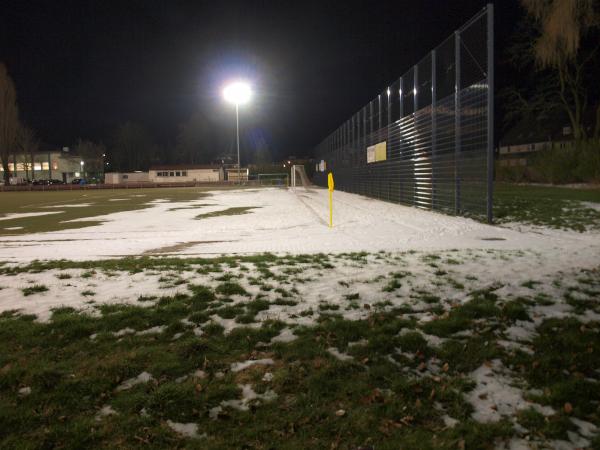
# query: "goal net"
{"type": "Point", "coordinates": [273, 179]}
{"type": "Point", "coordinates": [299, 177]}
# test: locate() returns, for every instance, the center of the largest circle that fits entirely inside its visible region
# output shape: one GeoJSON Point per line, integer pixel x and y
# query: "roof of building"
{"type": "Point", "coordinates": [185, 167]}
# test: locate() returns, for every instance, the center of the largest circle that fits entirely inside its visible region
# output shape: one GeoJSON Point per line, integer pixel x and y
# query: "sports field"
{"type": "Point", "coordinates": [238, 319]}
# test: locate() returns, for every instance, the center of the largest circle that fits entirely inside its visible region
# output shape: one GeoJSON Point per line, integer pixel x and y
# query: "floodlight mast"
{"type": "Point", "coordinates": [237, 93]}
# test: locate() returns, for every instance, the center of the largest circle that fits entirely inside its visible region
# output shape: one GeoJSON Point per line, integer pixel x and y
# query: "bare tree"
{"type": "Point", "coordinates": [92, 154]}
{"type": "Point", "coordinates": [29, 144]}
{"type": "Point", "coordinates": [9, 119]}
{"type": "Point", "coordinates": [559, 48]}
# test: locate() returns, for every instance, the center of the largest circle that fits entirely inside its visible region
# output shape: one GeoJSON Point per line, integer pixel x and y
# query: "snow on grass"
{"type": "Point", "coordinates": [339, 355]}
{"type": "Point", "coordinates": [105, 411]}
{"type": "Point", "coordinates": [11, 216]}
{"type": "Point", "coordinates": [189, 430]}
{"type": "Point", "coordinates": [243, 404]}
{"type": "Point", "coordinates": [282, 221]}
{"type": "Point", "coordinates": [494, 397]}
{"type": "Point", "coordinates": [286, 335]}
{"type": "Point", "coordinates": [239, 366]}
{"type": "Point", "coordinates": [142, 378]}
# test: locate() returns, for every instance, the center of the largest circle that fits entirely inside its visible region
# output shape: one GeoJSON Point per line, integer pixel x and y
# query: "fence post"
{"type": "Point", "coordinates": [400, 139]}
{"type": "Point", "coordinates": [490, 112]}
{"type": "Point", "coordinates": [457, 112]}
{"type": "Point", "coordinates": [415, 108]}
{"type": "Point", "coordinates": [433, 129]}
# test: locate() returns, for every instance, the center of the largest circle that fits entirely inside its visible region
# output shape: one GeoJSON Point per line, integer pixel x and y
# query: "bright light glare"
{"type": "Point", "coordinates": [237, 93]}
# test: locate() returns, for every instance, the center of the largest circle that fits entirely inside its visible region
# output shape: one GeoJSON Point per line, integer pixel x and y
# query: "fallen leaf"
{"type": "Point", "coordinates": [568, 408]}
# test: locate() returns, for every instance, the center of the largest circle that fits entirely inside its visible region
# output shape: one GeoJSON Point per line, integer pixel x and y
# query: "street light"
{"type": "Point", "coordinates": [238, 93]}
{"type": "Point", "coordinates": [82, 173]}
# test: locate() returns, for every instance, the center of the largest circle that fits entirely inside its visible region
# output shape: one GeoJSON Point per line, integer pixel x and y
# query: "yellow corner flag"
{"type": "Point", "coordinates": [330, 186]}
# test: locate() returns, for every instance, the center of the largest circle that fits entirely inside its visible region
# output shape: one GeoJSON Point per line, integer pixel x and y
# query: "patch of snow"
{"type": "Point", "coordinates": [143, 377]}
{"type": "Point", "coordinates": [154, 330]}
{"type": "Point", "coordinates": [450, 422]}
{"type": "Point", "coordinates": [586, 429]}
{"type": "Point", "coordinates": [248, 395]}
{"type": "Point", "coordinates": [123, 332]}
{"type": "Point", "coordinates": [339, 355]}
{"type": "Point", "coordinates": [495, 397]}
{"type": "Point", "coordinates": [237, 367]}
{"type": "Point", "coordinates": [199, 374]}
{"type": "Point", "coordinates": [24, 391]}
{"type": "Point", "coordinates": [268, 376]}
{"type": "Point", "coordinates": [13, 228]}
{"type": "Point", "coordinates": [189, 430]}
{"type": "Point", "coordinates": [286, 335]}
{"type": "Point", "coordinates": [591, 205]}
{"type": "Point", "coordinates": [11, 216]}
{"type": "Point", "coordinates": [106, 410]}
{"type": "Point", "coordinates": [521, 331]}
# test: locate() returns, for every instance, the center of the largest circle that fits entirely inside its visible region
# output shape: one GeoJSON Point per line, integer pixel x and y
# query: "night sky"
{"type": "Point", "coordinates": [84, 67]}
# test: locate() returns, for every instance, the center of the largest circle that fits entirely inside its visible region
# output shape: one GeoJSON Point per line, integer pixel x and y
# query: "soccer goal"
{"type": "Point", "coordinates": [273, 179]}
{"type": "Point", "coordinates": [299, 177]}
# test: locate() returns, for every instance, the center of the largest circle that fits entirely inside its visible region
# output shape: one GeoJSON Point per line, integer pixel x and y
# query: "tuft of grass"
{"type": "Point", "coordinates": [231, 288]}
{"type": "Point", "coordinates": [36, 288]}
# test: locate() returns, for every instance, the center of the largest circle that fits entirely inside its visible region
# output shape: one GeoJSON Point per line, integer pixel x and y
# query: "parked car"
{"type": "Point", "coordinates": [78, 181]}
{"type": "Point", "coordinates": [55, 181]}
{"type": "Point", "coordinates": [40, 182]}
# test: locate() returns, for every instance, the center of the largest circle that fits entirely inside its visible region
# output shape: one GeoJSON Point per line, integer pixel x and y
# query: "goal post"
{"type": "Point", "coordinates": [299, 177]}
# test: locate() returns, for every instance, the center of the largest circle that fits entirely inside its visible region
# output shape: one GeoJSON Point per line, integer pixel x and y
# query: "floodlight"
{"type": "Point", "coordinates": [237, 92]}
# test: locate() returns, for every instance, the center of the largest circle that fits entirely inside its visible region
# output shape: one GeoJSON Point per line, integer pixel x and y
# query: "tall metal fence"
{"type": "Point", "coordinates": [427, 140]}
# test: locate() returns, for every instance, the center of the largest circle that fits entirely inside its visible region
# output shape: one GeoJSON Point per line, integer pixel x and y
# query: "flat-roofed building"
{"type": "Point", "coordinates": [185, 173]}
{"type": "Point", "coordinates": [126, 177]}
{"type": "Point", "coordinates": [44, 165]}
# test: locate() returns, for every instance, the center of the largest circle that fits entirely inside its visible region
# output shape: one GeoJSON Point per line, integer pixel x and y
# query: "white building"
{"type": "Point", "coordinates": [185, 173]}
{"type": "Point", "coordinates": [125, 177]}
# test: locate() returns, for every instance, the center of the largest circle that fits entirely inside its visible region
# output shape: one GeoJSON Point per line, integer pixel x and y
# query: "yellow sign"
{"type": "Point", "coordinates": [377, 152]}
{"type": "Point", "coordinates": [330, 186]}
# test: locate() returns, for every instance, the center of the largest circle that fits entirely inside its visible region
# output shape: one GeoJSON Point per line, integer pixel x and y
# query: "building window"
{"type": "Point", "coordinates": [125, 177]}
{"type": "Point", "coordinates": [177, 174]}
{"type": "Point", "coordinates": [45, 166]}
{"type": "Point", "coordinates": [184, 173]}
{"type": "Point", "coordinates": [171, 174]}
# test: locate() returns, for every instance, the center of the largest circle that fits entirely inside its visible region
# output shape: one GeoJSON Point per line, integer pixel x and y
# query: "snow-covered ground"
{"type": "Point", "coordinates": [284, 221]}
{"type": "Point", "coordinates": [415, 259]}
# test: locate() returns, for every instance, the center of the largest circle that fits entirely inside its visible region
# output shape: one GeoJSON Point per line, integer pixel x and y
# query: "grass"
{"type": "Point", "coordinates": [74, 378]}
{"type": "Point", "coordinates": [36, 288]}
{"type": "Point", "coordinates": [555, 207]}
{"type": "Point", "coordinates": [400, 377]}
{"type": "Point", "coordinates": [234, 211]}
{"type": "Point", "coordinates": [98, 204]}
